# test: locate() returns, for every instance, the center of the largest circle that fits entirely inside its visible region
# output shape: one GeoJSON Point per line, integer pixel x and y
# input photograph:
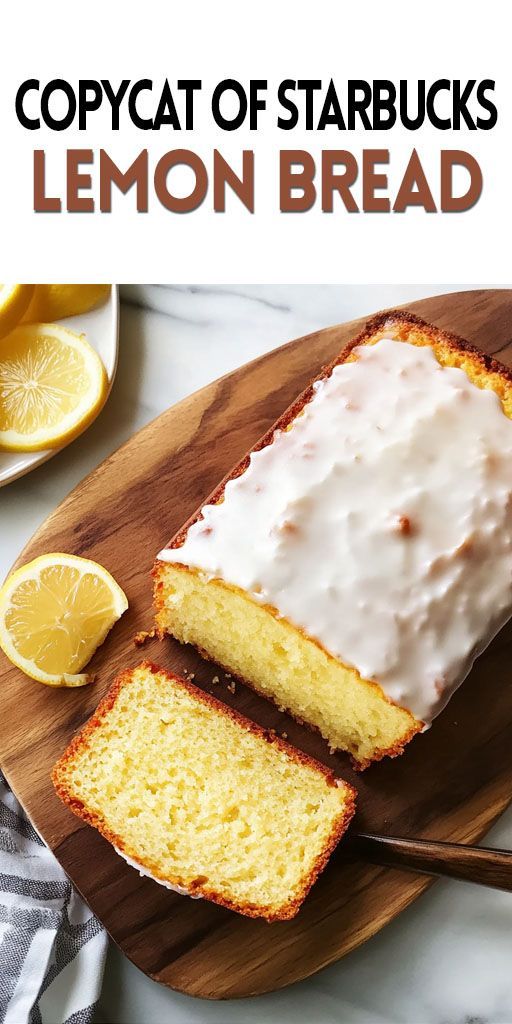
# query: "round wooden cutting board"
{"type": "Point", "coordinates": [451, 783]}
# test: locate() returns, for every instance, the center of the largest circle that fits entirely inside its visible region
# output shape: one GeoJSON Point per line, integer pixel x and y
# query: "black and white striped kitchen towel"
{"type": "Point", "coordinates": [52, 949]}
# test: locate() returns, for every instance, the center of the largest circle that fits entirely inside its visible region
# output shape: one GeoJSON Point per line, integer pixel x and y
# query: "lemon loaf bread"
{"type": "Point", "coordinates": [353, 565]}
{"type": "Point", "coordinates": [202, 800]}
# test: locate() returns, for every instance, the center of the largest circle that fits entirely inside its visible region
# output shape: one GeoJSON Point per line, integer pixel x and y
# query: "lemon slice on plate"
{"type": "Point", "coordinates": [14, 301]}
{"type": "Point", "coordinates": [52, 385]}
{"type": "Point", "coordinates": [54, 613]}
{"type": "Point", "coordinates": [55, 301]}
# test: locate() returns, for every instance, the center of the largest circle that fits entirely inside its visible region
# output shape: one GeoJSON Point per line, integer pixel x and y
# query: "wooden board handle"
{"type": "Point", "coordinates": [467, 863]}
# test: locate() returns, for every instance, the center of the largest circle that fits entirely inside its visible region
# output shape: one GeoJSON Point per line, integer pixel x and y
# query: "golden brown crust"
{"type": "Point", "coordinates": [453, 341]}
{"type": "Point", "coordinates": [406, 322]}
{"type": "Point", "coordinates": [80, 742]}
{"type": "Point", "coordinates": [393, 751]}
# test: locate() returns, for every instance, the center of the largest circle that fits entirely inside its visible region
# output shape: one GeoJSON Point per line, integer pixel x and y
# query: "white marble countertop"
{"type": "Point", "coordinates": [448, 958]}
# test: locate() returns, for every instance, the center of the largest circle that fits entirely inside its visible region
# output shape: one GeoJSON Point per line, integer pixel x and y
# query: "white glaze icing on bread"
{"type": "Point", "coordinates": [378, 520]}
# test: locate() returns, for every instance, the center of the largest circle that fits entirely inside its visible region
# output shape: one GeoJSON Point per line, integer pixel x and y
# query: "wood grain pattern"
{"type": "Point", "coordinates": [450, 860]}
{"type": "Point", "coordinates": [451, 783]}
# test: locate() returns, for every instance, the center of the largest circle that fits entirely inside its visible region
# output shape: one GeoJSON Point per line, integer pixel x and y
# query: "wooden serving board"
{"type": "Point", "coordinates": [451, 783]}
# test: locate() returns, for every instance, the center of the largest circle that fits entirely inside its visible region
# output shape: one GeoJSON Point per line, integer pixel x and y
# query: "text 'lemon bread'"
{"type": "Point", "coordinates": [359, 558]}
{"type": "Point", "coordinates": [202, 800]}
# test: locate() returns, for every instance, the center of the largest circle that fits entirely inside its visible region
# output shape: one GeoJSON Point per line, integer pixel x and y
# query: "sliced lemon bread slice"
{"type": "Point", "coordinates": [202, 800]}
{"type": "Point", "coordinates": [353, 565]}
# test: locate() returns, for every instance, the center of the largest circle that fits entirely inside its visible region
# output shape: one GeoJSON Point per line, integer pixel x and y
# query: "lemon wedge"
{"type": "Point", "coordinates": [54, 613]}
{"type": "Point", "coordinates": [52, 385]}
{"type": "Point", "coordinates": [14, 301]}
{"type": "Point", "coordinates": [54, 301]}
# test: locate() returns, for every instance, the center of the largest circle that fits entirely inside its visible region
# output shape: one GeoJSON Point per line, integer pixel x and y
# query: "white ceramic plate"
{"type": "Point", "coordinates": [101, 328]}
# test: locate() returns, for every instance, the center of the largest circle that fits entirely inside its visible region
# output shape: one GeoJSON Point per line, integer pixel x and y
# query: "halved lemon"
{"type": "Point", "coordinates": [14, 301]}
{"type": "Point", "coordinates": [53, 301]}
{"type": "Point", "coordinates": [54, 613]}
{"type": "Point", "coordinates": [52, 385]}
